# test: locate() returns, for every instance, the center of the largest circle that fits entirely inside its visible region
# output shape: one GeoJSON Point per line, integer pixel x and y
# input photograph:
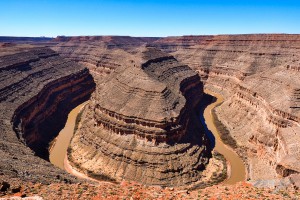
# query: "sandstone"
{"type": "Point", "coordinates": [37, 90]}
{"type": "Point", "coordinates": [102, 54]}
{"type": "Point", "coordinates": [257, 74]}
{"type": "Point", "coordinates": [295, 179]}
{"type": "Point", "coordinates": [259, 78]}
{"type": "Point", "coordinates": [141, 125]}
{"type": "Point", "coordinates": [288, 165]}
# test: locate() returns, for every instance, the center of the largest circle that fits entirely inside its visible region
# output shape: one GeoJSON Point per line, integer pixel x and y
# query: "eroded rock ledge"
{"type": "Point", "coordinates": [38, 89]}
{"type": "Point", "coordinates": [141, 125]}
{"type": "Point", "coordinates": [258, 74]}
{"type": "Point", "coordinates": [259, 78]}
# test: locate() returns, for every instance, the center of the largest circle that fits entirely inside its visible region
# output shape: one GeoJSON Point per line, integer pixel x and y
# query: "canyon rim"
{"type": "Point", "coordinates": [141, 122]}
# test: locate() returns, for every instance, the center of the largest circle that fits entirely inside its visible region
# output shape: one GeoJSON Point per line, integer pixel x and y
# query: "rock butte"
{"type": "Point", "coordinates": [141, 124]}
{"type": "Point", "coordinates": [258, 75]}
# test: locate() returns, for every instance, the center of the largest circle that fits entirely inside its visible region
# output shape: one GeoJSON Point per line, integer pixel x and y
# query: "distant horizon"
{"type": "Point", "coordinates": [148, 18]}
{"type": "Point", "coordinates": [147, 36]}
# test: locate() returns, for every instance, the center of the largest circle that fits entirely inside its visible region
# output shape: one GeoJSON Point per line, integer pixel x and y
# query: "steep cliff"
{"type": "Point", "coordinates": [141, 125]}
{"type": "Point", "coordinates": [38, 89]}
{"type": "Point", "coordinates": [259, 76]}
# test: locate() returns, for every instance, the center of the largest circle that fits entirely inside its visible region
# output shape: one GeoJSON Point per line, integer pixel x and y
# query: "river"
{"type": "Point", "coordinates": [59, 149]}
{"type": "Point", "coordinates": [237, 167]}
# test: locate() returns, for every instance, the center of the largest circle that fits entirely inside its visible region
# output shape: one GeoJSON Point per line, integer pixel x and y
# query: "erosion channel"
{"type": "Point", "coordinates": [236, 166]}
{"type": "Point", "coordinates": [60, 145]}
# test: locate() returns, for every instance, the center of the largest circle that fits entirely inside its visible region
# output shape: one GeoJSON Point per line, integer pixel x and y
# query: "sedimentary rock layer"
{"type": "Point", "coordinates": [102, 54]}
{"type": "Point", "coordinates": [141, 124]}
{"type": "Point", "coordinates": [38, 89]}
{"type": "Point", "coordinates": [25, 39]}
{"type": "Point", "coordinates": [259, 76]}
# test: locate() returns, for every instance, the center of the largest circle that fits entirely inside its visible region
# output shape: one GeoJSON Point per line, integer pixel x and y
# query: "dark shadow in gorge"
{"type": "Point", "coordinates": [205, 101]}
{"type": "Point", "coordinates": [38, 132]}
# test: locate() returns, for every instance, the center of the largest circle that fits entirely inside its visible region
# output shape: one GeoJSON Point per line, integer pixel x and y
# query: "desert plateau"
{"type": "Point", "coordinates": [196, 116]}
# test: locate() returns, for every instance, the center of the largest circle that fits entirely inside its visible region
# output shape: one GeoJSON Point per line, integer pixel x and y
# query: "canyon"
{"type": "Point", "coordinates": [258, 75]}
{"type": "Point", "coordinates": [141, 124]}
{"type": "Point", "coordinates": [136, 100]}
{"type": "Point", "coordinates": [38, 89]}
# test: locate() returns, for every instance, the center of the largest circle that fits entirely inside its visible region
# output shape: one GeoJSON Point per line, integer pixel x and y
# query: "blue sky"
{"type": "Point", "coordinates": [147, 18]}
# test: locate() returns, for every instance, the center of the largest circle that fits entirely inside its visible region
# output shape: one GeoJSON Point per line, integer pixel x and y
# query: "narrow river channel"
{"type": "Point", "coordinates": [59, 149]}
{"type": "Point", "coordinates": [237, 167]}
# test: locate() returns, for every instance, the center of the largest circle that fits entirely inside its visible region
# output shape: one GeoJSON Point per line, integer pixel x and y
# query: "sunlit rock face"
{"type": "Point", "coordinates": [141, 124]}
{"type": "Point", "coordinates": [259, 76]}
{"type": "Point", "coordinates": [38, 88]}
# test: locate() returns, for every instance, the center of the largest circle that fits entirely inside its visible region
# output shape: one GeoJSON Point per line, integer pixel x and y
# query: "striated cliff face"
{"type": "Point", "coordinates": [141, 124]}
{"type": "Point", "coordinates": [148, 118]}
{"type": "Point", "coordinates": [101, 54]}
{"type": "Point", "coordinates": [38, 88]}
{"type": "Point", "coordinates": [257, 74]}
{"type": "Point", "coordinates": [259, 77]}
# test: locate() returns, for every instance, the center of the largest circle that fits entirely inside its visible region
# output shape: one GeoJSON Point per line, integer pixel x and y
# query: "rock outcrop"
{"type": "Point", "coordinates": [38, 89]}
{"type": "Point", "coordinates": [257, 74]}
{"type": "Point", "coordinates": [101, 54]}
{"type": "Point", "coordinates": [141, 124]}
{"type": "Point", "coordinates": [259, 78]}
{"type": "Point", "coordinates": [23, 40]}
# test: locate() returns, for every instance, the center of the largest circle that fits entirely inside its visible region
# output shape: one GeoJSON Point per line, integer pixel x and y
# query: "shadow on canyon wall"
{"type": "Point", "coordinates": [206, 100]}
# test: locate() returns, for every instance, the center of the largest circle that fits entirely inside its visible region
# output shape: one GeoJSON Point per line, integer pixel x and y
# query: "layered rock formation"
{"type": "Point", "coordinates": [141, 124]}
{"type": "Point", "coordinates": [25, 39]}
{"type": "Point", "coordinates": [38, 89]}
{"type": "Point", "coordinates": [259, 76]}
{"type": "Point", "coordinates": [102, 54]}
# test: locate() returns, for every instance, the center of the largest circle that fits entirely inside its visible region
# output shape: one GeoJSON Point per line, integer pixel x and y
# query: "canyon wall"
{"type": "Point", "coordinates": [101, 54]}
{"type": "Point", "coordinates": [38, 90]}
{"type": "Point", "coordinates": [35, 40]}
{"type": "Point", "coordinates": [141, 124]}
{"type": "Point", "coordinates": [259, 77]}
{"type": "Point", "coordinates": [258, 74]}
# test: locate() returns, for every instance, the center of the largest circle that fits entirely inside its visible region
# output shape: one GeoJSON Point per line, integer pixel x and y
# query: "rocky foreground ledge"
{"type": "Point", "coordinates": [38, 88]}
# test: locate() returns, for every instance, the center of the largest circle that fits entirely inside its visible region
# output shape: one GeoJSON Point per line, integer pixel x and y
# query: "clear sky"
{"type": "Point", "coordinates": [147, 17]}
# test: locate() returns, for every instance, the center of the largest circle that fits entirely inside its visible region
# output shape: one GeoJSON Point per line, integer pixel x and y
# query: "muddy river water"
{"type": "Point", "coordinates": [59, 149]}
{"type": "Point", "coordinates": [237, 169]}
{"type": "Point", "coordinates": [236, 165]}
